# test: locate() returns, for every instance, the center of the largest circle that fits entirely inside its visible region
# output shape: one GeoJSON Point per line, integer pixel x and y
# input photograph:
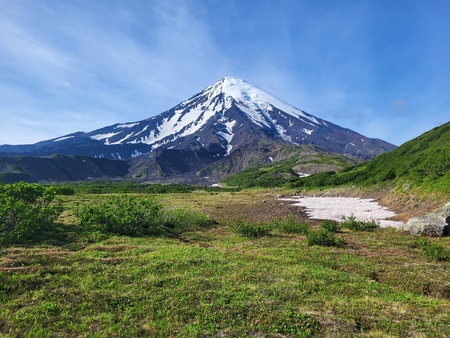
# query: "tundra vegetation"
{"type": "Point", "coordinates": [421, 165]}
{"type": "Point", "coordinates": [209, 263]}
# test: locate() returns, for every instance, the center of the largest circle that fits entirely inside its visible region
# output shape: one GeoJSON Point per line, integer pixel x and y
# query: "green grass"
{"type": "Point", "coordinates": [423, 163]}
{"type": "Point", "coordinates": [212, 282]}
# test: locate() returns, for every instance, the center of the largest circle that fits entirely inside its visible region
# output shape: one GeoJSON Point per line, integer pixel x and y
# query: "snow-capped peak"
{"type": "Point", "coordinates": [215, 103]}
{"type": "Point", "coordinates": [253, 97]}
{"type": "Point", "coordinates": [219, 119]}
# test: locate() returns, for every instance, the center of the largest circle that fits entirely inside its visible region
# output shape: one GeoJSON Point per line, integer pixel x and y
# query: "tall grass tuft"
{"type": "Point", "coordinates": [330, 226]}
{"type": "Point", "coordinates": [290, 225]}
{"type": "Point", "coordinates": [434, 251]}
{"type": "Point", "coordinates": [250, 230]}
{"type": "Point", "coordinates": [323, 238]}
{"type": "Point", "coordinates": [352, 223]}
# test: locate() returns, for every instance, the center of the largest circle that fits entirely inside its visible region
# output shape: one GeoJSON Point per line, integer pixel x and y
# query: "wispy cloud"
{"type": "Point", "coordinates": [103, 61]}
{"type": "Point", "coordinates": [79, 65]}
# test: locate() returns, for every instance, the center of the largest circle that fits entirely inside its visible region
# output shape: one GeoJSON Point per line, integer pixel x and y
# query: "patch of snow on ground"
{"type": "Point", "coordinates": [333, 208]}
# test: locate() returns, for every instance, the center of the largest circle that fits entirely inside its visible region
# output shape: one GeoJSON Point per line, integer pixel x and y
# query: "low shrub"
{"type": "Point", "coordinates": [330, 226]}
{"type": "Point", "coordinates": [183, 220]}
{"type": "Point", "coordinates": [123, 215]}
{"type": "Point", "coordinates": [433, 251]}
{"type": "Point", "coordinates": [250, 230]}
{"type": "Point", "coordinates": [65, 190]}
{"type": "Point", "coordinates": [352, 223]}
{"type": "Point", "coordinates": [290, 225]}
{"type": "Point", "coordinates": [26, 210]}
{"type": "Point", "coordinates": [323, 238]}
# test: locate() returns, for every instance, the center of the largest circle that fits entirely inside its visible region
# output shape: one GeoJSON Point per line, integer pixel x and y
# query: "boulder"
{"type": "Point", "coordinates": [446, 210]}
{"type": "Point", "coordinates": [432, 225]}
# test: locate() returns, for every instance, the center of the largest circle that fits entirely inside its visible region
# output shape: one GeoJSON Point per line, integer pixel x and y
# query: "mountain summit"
{"type": "Point", "coordinates": [218, 120]}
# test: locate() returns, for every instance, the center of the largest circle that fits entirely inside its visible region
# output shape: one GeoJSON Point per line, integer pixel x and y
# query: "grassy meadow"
{"type": "Point", "coordinates": [212, 282]}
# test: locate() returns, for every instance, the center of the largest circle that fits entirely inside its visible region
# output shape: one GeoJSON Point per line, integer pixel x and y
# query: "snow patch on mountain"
{"type": "Point", "coordinates": [228, 135]}
{"type": "Point", "coordinates": [126, 125]}
{"type": "Point", "coordinates": [121, 140]}
{"type": "Point", "coordinates": [136, 153]}
{"type": "Point", "coordinates": [181, 124]}
{"type": "Point", "coordinates": [104, 136]}
{"type": "Point", "coordinates": [63, 138]}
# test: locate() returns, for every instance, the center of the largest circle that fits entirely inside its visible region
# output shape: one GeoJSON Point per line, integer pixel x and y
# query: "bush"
{"type": "Point", "coordinates": [330, 226]}
{"type": "Point", "coordinates": [26, 210]}
{"type": "Point", "coordinates": [323, 238]}
{"type": "Point", "coordinates": [185, 220]}
{"type": "Point", "coordinates": [123, 215]}
{"type": "Point", "coordinates": [290, 225]}
{"type": "Point", "coordinates": [433, 251]}
{"type": "Point", "coordinates": [64, 190]}
{"type": "Point", "coordinates": [351, 223]}
{"type": "Point", "coordinates": [251, 230]}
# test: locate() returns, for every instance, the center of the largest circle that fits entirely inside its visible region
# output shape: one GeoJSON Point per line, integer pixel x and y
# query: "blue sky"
{"type": "Point", "coordinates": [379, 67]}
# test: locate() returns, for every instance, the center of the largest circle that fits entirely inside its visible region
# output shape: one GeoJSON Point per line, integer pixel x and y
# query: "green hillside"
{"type": "Point", "coordinates": [305, 160]}
{"type": "Point", "coordinates": [423, 163]}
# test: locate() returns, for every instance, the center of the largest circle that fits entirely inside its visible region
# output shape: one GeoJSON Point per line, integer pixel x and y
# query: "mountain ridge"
{"type": "Point", "coordinates": [215, 115]}
{"type": "Point", "coordinates": [208, 128]}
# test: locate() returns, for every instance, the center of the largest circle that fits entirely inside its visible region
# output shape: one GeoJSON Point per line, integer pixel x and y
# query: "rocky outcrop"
{"type": "Point", "coordinates": [446, 212]}
{"type": "Point", "coordinates": [431, 225]}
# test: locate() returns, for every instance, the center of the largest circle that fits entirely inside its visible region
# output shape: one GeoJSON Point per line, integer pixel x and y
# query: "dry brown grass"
{"type": "Point", "coordinates": [249, 205]}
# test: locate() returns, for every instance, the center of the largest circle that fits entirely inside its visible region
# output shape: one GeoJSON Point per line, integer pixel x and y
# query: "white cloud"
{"type": "Point", "coordinates": [106, 62]}
{"type": "Point", "coordinates": [81, 65]}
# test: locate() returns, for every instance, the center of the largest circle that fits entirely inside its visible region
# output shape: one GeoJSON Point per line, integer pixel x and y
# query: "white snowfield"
{"type": "Point", "coordinates": [334, 208]}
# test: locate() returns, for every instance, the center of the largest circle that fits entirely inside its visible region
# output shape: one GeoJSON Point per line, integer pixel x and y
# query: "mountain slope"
{"type": "Point", "coordinates": [59, 168]}
{"type": "Point", "coordinates": [423, 162]}
{"type": "Point", "coordinates": [223, 116]}
{"type": "Point", "coordinates": [292, 162]}
{"type": "Point", "coordinates": [225, 128]}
